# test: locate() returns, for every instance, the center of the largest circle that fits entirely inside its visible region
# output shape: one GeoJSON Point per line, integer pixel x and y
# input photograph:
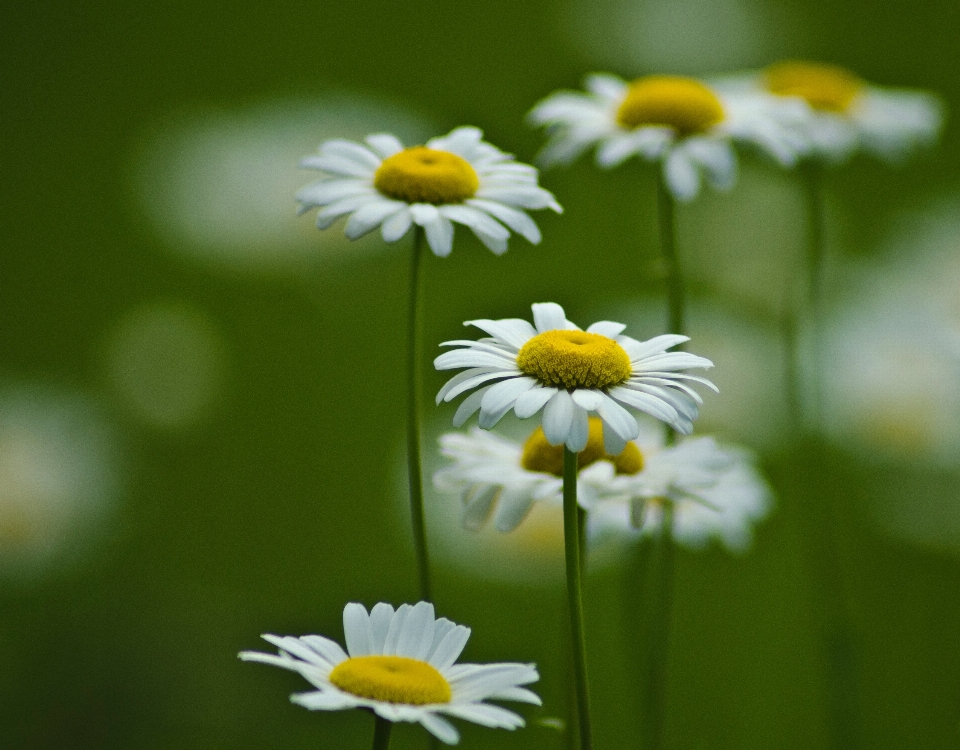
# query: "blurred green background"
{"type": "Point", "coordinates": [201, 396]}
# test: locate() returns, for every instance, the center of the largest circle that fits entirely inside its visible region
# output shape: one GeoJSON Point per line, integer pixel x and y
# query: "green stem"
{"type": "Point", "coordinates": [668, 249]}
{"type": "Point", "coordinates": [571, 544]}
{"type": "Point", "coordinates": [654, 715]}
{"type": "Point", "coordinates": [381, 733]}
{"type": "Point", "coordinates": [414, 466]}
{"type": "Point", "coordinates": [813, 178]}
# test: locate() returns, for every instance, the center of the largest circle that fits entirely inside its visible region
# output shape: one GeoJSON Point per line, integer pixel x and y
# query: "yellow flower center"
{"type": "Point", "coordinates": [829, 88]}
{"type": "Point", "coordinates": [539, 455]}
{"type": "Point", "coordinates": [425, 175]}
{"type": "Point", "coordinates": [393, 679]}
{"type": "Point", "coordinates": [684, 104]}
{"type": "Point", "coordinates": [574, 359]}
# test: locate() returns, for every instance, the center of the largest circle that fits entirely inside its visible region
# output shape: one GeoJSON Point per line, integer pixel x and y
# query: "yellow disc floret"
{"type": "Point", "coordinates": [574, 359]}
{"type": "Point", "coordinates": [426, 175]}
{"type": "Point", "coordinates": [828, 88]}
{"type": "Point", "coordinates": [393, 679]}
{"type": "Point", "coordinates": [539, 455]}
{"type": "Point", "coordinates": [684, 104]}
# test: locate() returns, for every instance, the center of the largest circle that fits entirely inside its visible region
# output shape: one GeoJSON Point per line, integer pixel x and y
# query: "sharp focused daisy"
{"type": "Point", "coordinates": [569, 373]}
{"type": "Point", "coordinates": [402, 665]}
{"type": "Point", "coordinates": [847, 113]}
{"type": "Point", "coordinates": [456, 178]}
{"type": "Point", "coordinates": [683, 122]}
{"type": "Point", "coordinates": [714, 491]}
{"type": "Point", "coordinates": [498, 477]}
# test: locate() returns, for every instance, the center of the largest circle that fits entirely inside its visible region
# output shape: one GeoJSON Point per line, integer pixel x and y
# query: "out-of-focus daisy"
{"type": "Point", "coordinates": [847, 112]}
{"type": "Point", "coordinates": [682, 122]}
{"type": "Point", "coordinates": [498, 477]}
{"type": "Point", "coordinates": [714, 491]}
{"type": "Point", "coordinates": [402, 665]}
{"type": "Point", "coordinates": [568, 374]}
{"type": "Point", "coordinates": [456, 178]}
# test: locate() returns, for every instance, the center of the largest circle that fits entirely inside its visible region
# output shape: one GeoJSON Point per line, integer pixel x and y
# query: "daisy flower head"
{"type": "Point", "coordinates": [401, 664]}
{"type": "Point", "coordinates": [685, 123]}
{"type": "Point", "coordinates": [566, 373]}
{"type": "Point", "coordinates": [502, 478]}
{"type": "Point", "coordinates": [847, 113]}
{"type": "Point", "coordinates": [714, 491]}
{"type": "Point", "coordinates": [458, 178]}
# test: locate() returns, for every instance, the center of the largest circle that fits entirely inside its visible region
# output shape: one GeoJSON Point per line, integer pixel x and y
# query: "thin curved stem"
{"type": "Point", "coordinates": [676, 298]}
{"type": "Point", "coordinates": [571, 545]}
{"type": "Point", "coordinates": [381, 733]}
{"type": "Point", "coordinates": [414, 465]}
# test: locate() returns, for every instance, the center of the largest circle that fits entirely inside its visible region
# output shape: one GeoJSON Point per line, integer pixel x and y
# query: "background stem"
{"type": "Point", "coordinates": [381, 733]}
{"type": "Point", "coordinates": [655, 710]}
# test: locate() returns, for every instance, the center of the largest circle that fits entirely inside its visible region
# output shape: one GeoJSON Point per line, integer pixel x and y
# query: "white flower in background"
{"type": "Point", "coordinates": [502, 478]}
{"type": "Point", "coordinates": [568, 374]}
{"type": "Point", "coordinates": [848, 113]}
{"type": "Point", "coordinates": [456, 178]}
{"type": "Point", "coordinates": [714, 490]}
{"type": "Point", "coordinates": [682, 122]}
{"type": "Point", "coordinates": [402, 665]}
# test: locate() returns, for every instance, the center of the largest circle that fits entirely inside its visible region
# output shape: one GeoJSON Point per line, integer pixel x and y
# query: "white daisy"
{"type": "Point", "coordinates": [401, 665]}
{"type": "Point", "coordinates": [456, 178]}
{"type": "Point", "coordinates": [568, 373]}
{"type": "Point", "coordinates": [847, 113]}
{"type": "Point", "coordinates": [715, 492]}
{"type": "Point", "coordinates": [682, 122]}
{"type": "Point", "coordinates": [503, 478]}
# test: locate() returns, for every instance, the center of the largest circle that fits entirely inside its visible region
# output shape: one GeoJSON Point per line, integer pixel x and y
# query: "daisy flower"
{"type": "Point", "coordinates": [847, 113]}
{"type": "Point", "coordinates": [455, 178]}
{"type": "Point", "coordinates": [568, 373]}
{"type": "Point", "coordinates": [502, 478]}
{"type": "Point", "coordinates": [714, 490]}
{"type": "Point", "coordinates": [402, 665]}
{"type": "Point", "coordinates": [682, 122]}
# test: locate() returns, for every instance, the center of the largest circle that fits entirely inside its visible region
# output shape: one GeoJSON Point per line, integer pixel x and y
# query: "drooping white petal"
{"type": "Point", "coordinates": [368, 217]}
{"type": "Point", "coordinates": [681, 174]}
{"type": "Point", "coordinates": [622, 421]}
{"type": "Point", "coordinates": [587, 398]}
{"type": "Point", "coordinates": [500, 398]}
{"type": "Point", "coordinates": [468, 406]}
{"type": "Point", "coordinates": [557, 417]}
{"type": "Point", "coordinates": [513, 506]}
{"type": "Point", "coordinates": [514, 218]}
{"type": "Point", "coordinates": [440, 728]}
{"type": "Point", "coordinates": [397, 225]}
{"type": "Point", "coordinates": [532, 401]}
{"type": "Point", "coordinates": [579, 429]}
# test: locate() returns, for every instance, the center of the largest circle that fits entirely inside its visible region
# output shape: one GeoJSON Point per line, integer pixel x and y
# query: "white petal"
{"type": "Point", "coordinates": [324, 700]}
{"type": "Point", "coordinates": [514, 331]}
{"type": "Point", "coordinates": [367, 218]}
{"type": "Point", "coordinates": [350, 150]}
{"type": "Point", "coordinates": [651, 405]}
{"type": "Point", "coordinates": [478, 505]}
{"type": "Point", "coordinates": [657, 344]}
{"type": "Point", "coordinates": [613, 444]}
{"type": "Point", "coordinates": [439, 236]}
{"type": "Point", "coordinates": [517, 694]}
{"type": "Point", "coordinates": [384, 144]}
{"type": "Point", "coordinates": [718, 158]}
{"type": "Point", "coordinates": [468, 406]}
{"type": "Point", "coordinates": [514, 505]}
{"type": "Point", "coordinates": [622, 421]}
{"type": "Point", "coordinates": [587, 399]}
{"type": "Point", "coordinates": [380, 617]}
{"type": "Point", "coordinates": [397, 225]}
{"type": "Point", "coordinates": [356, 629]}
{"type": "Point", "coordinates": [395, 629]}
{"type": "Point", "coordinates": [457, 388]}
{"type": "Point", "coordinates": [514, 218]}
{"type": "Point", "coordinates": [500, 398]}
{"type": "Point", "coordinates": [450, 648]}
{"type": "Point", "coordinates": [440, 728]}
{"type": "Point", "coordinates": [532, 401]}
{"type": "Point", "coordinates": [416, 637]}
{"type": "Point", "coordinates": [557, 416]}
{"type": "Point", "coordinates": [328, 191]}
{"type": "Point", "coordinates": [549, 316]}
{"type": "Point", "coordinates": [607, 328]}
{"type": "Point", "coordinates": [579, 429]}
{"type": "Point", "coordinates": [485, 715]}
{"type": "Point", "coordinates": [681, 174]}
{"type": "Point", "coordinates": [335, 164]}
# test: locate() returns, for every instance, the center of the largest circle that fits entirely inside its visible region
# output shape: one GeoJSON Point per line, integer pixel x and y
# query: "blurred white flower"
{"type": "Point", "coordinates": [682, 123]}
{"type": "Point", "coordinates": [455, 178]}
{"type": "Point", "coordinates": [58, 478]}
{"type": "Point", "coordinates": [847, 113]}
{"type": "Point", "coordinates": [715, 493]}
{"type": "Point", "coordinates": [217, 184]}
{"type": "Point", "coordinates": [498, 477]}
{"type": "Point", "coordinates": [402, 666]}
{"type": "Point", "coordinates": [891, 358]}
{"type": "Point", "coordinates": [165, 362]}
